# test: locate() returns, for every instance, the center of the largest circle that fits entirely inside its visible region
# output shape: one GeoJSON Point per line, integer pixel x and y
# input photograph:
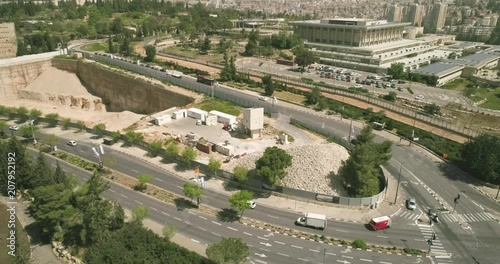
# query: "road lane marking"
{"type": "Point", "coordinates": [262, 238]}
{"type": "Point", "coordinates": [342, 231]}
{"type": "Point", "coordinates": [305, 260]}
{"type": "Point", "coordinates": [180, 187]}
{"type": "Point", "coordinates": [260, 261]}
{"type": "Point", "coordinates": [314, 250]}
{"type": "Point", "coordinates": [216, 223]}
{"type": "Point", "coordinates": [177, 218]}
{"type": "Point", "coordinates": [124, 196]}
{"type": "Point", "coordinates": [234, 229]}
{"type": "Point", "coordinates": [202, 228]}
{"type": "Point", "coordinates": [367, 260]}
{"type": "Point", "coordinates": [349, 257]}
{"type": "Point", "coordinates": [165, 213]}
{"type": "Point", "coordinates": [248, 234]}
{"type": "Point", "coordinates": [202, 217]}
{"type": "Point", "coordinates": [215, 234]}
{"type": "Point", "coordinates": [153, 208]}
{"type": "Point", "coordinates": [112, 190]}
{"type": "Point", "coordinates": [284, 255]}
{"type": "Point", "coordinates": [158, 179]}
{"type": "Point", "coordinates": [134, 170]}
{"type": "Point", "coordinates": [138, 202]}
{"type": "Point", "coordinates": [333, 254]}
{"type": "Point", "coordinates": [263, 249]}
{"type": "Point", "coordinates": [296, 246]}
{"type": "Point", "coordinates": [383, 262]}
{"type": "Point", "coordinates": [275, 217]}
{"type": "Point", "coordinates": [191, 213]}
{"type": "Point", "coordinates": [279, 242]}
{"type": "Point", "coordinates": [195, 240]}
{"type": "Point", "coordinates": [383, 236]}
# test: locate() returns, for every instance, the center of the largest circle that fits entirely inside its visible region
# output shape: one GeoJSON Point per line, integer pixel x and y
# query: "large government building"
{"type": "Point", "coordinates": [8, 41]}
{"type": "Point", "coordinates": [367, 44]}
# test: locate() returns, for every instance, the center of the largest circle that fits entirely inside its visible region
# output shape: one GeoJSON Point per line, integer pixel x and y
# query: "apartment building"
{"type": "Point", "coordinates": [8, 41]}
{"type": "Point", "coordinates": [435, 18]}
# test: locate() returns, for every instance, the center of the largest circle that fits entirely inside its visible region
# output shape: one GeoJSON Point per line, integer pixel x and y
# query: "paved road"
{"type": "Point", "coordinates": [434, 186]}
{"type": "Point", "coordinates": [265, 247]}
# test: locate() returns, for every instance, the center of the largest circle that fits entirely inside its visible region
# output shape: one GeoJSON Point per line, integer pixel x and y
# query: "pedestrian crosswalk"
{"type": "Point", "coordinates": [412, 215]}
{"type": "Point", "coordinates": [467, 218]}
{"type": "Point", "coordinates": [436, 247]}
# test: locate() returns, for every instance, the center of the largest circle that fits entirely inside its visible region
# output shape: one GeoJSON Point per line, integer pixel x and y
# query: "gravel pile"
{"type": "Point", "coordinates": [312, 168]}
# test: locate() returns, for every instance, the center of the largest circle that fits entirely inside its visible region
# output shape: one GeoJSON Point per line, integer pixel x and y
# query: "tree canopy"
{"type": "Point", "coordinates": [239, 200]}
{"type": "Point", "coordinates": [304, 58]}
{"type": "Point", "coordinates": [270, 168]}
{"type": "Point", "coordinates": [397, 70]}
{"type": "Point", "coordinates": [481, 158]}
{"type": "Point", "coordinates": [228, 250]}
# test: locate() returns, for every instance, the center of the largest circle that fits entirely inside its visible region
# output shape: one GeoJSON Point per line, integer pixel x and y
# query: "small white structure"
{"type": "Point", "coordinates": [160, 120]}
{"type": "Point", "coordinates": [197, 114]}
{"type": "Point", "coordinates": [179, 114]}
{"type": "Point", "coordinates": [253, 121]}
{"type": "Point", "coordinates": [223, 117]}
{"type": "Point", "coordinates": [211, 120]}
{"type": "Point", "coordinates": [224, 149]}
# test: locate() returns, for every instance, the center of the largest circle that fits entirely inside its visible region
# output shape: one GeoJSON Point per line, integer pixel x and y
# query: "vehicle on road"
{"type": "Point", "coordinates": [411, 203]}
{"type": "Point", "coordinates": [381, 222]}
{"type": "Point", "coordinates": [205, 80]}
{"type": "Point", "coordinates": [400, 89]}
{"type": "Point", "coordinates": [419, 97]}
{"type": "Point", "coordinates": [263, 98]}
{"type": "Point", "coordinates": [358, 86]}
{"type": "Point", "coordinates": [72, 143]}
{"type": "Point", "coordinates": [378, 126]}
{"type": "Point", "coordinates": [252, 204]}
{"type": "Point", "coordinates": [317, 221]}
{"type": "Point", "coordinates": [15, 128]}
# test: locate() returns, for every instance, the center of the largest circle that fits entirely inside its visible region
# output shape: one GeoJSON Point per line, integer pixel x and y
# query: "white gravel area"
{"type": "Point", "coordinates": [313, 168]}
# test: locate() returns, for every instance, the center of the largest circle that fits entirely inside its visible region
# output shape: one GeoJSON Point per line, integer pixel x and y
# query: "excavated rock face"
{"type": "Point", "coordinates": [90, 103]}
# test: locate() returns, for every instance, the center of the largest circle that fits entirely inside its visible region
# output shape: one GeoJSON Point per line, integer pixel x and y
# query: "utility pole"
{"type": "Point", "coordinates": [429, 242]}
{"type": "Point", "coordinates": [324, 256]}
{"type": "Point", "coordinates": [32, 131]}
{"type": "Point", "coordinates": [498, 191]}
{"type": "Point", "coordinates": [399, 179]}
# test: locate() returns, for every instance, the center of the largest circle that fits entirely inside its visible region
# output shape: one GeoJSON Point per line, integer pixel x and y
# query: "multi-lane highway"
{"type": "Point", "coordinates": [265, 247]}
{"type": "Point", "coordinates": [427, 179]}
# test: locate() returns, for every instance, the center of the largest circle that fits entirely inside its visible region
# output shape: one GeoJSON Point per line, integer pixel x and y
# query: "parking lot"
{"type": "Point", "coordinates": [426, 93]}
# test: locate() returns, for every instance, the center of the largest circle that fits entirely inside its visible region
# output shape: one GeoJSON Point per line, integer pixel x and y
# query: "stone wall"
{"type": "Point", "coordinates": [120, 92]}
{"type": "Point", "coordinates": [66, 65]}
{"type": "Point", "coordinates": [15, 77]}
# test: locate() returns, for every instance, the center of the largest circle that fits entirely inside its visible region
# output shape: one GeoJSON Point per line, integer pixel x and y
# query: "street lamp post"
{"type": "Point", "coordinates": [399, 180]}
{"type": "Point", "coordinates": [32, 131]}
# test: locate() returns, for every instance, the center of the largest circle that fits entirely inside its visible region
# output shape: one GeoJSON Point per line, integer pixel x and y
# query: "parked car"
{"type": "Point", "coordinates": [72, 143]}
{"type": "Point", "coordinates": [393, 85]}
{"type": "Point", "coordinates": [400, 89]}
{"type": "Point", "coordinates": [401, 81]}
{"type": "Point", "coordinates": [411, 203]}
{"type": "Point", "coordinates": [15, 128]}
{"type": "Point", "coordinates": [252, 204]}
{"type": "Point", "coordinates": [419, 97]}
{"type": "Point", "coordinates": [262, 98]}
{"type": "Point", "coordinates": [358, 86]}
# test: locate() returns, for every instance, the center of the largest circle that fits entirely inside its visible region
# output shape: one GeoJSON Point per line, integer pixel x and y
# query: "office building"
{"type": "Point", "coordinates": [8, 41]}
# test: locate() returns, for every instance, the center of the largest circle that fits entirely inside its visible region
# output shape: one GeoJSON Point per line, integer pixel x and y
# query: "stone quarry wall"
{"type": "Point", "coordinates": [120, 92]}
{"type": "Point", "coordinates": [16, 77]}
{"type": "Point", "coordinates": [80, 102]}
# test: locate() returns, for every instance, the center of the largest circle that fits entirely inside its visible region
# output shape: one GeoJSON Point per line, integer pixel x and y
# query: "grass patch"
{"type": "Point", "coordinates": [458, 85]}
{"type": "Point", "coordinates": [96, 47]}
{"type": "Point", "coordinates": [290, 97]}
{"type": "Point", "coordinates": [492, 97]}
{"type": "Point", "coordinates": [209, 104]}
{"type": "Point", "coordinates": [179, 51]}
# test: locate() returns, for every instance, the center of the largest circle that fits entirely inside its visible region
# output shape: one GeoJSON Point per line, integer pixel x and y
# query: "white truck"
{"type": "Point", "coordinates": [317, 221]}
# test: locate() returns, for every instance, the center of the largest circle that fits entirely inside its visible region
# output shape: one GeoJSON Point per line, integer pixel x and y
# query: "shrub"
{"type": "Point", "coordinates": [359, 243]}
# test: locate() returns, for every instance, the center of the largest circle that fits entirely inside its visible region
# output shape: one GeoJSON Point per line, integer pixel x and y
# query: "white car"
{"type": "Point", "coordinates": [15, 128]}
{"type": "Point", "coordinates": [411, 203]}
{"type": "Point", "coordinates": [358, 86]}
{"type": "Point", "coordinates": [195, 180]}
{"type": "Point", "coordinates": [419, 97]}
{"type": "Point", "coordinates": [252, 204]}
{"type": "Point", "coordinates": [262, 98]}
{"type": "Point", "coordinates": [72, 143]}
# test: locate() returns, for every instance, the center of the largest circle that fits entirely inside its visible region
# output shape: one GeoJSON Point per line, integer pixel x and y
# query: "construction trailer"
{"type": "Point", "coordinates": [197, 114]}
{"type": "Point", "coordinates": [223, 117]}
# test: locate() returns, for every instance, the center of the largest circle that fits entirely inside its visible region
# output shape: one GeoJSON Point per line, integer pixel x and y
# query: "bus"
{"type": "Point", "coordinates": [205, 80]}
{"type": "Point", "coordinates": [378, 126]}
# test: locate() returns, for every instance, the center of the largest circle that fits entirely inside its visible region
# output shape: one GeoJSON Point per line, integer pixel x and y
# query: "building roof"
{"type": "Point", "coordinates": [439, 69]}
{"type": "Point", "coordinates": [351, 23]}
{"type": "Point", "coordinates": [476, 60]}
{"type": "Point", "coordinates": [221, 114]}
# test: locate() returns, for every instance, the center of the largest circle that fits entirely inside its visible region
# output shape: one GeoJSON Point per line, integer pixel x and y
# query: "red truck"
{"type": "Point", "coordinates": [382, 222]}
{"type": "Point", "coordinates": [284, 62]}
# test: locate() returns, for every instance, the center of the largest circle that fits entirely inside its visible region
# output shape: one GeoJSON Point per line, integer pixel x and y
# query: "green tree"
{"type": "Point", "coordinates": [239, 201]}
{"type": "Point", "coordinates": [52, 119]}
{"type": "Point", "coordinates": [60, 176]}
{"type": "Point", "coordinates": [35, 113]}
{"type": "Point", "coordinates": [391, 97]}
{"type": "Point", "coordinates": [116, 135]}
{"type": "Point", "coordinates": [228, 250]}
{"type": "Point", "coordinates": [65, 123]}
{"type": "Point", "coordinates": [397, 70]}
{"type": "Point", "coordinates": [3, 126]}
{"type": "Point", "coordinates": [205, 45]}
{"type": "Point", "coordinates": [22, 111]}
{"type": "Point", "coordinates": [214, 165]}
{"type": "Point", "coordinates": [432, 109]}
{"type": "Point", "coordinates": [481, 158]}
{"type": "Point", "coordinates": [304, 58]}
{"type": "Point", "coordinates": [240, 173]}
{"type": "Point", "coordinates": [42, 174]}
{"type": "Point", "coordinates": [168, 231]}
{"type": "Point", "coordinates": [81, 125]}
{"type": "Point", "coordinates": [99, 129]}
{"type": "Point", "coordinates": [132, 137]}
{"type": "Point", "coordinates": [140, 213]}
{"type": "Point", "coordinates": [155, 148]}
{"type": "Point", "coordinates": [111, 47]}
{"type": "Point", "coordinates": [144, 179]}
{"type": "Point", "coordinates": [27, 131]}
{"type": "Point", "coordinates": [50, 140]}
{"type": "Point", "coordinates": [117, 26]}
{"type": "Point", "coordinates": [267, 81]}
{"type": "Point", "coordinates": [192, 190]}
{"type": "Point", "coordinates": [150, 53]}
{"type": "Point", "coordinates": [252, 45]}
{"type": "Point", "coordinates": [48, 206]}
{"type": "Point", "coordinates": [173, 149]}
{"type": "Point", "coordinates": [125, 47]}
{"type": "Point", "coordinates": [270, 168]}
{"type": "Point", "coordinates": [188, 155]}
{"type": "Point", "coordinates": [314, 96]}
